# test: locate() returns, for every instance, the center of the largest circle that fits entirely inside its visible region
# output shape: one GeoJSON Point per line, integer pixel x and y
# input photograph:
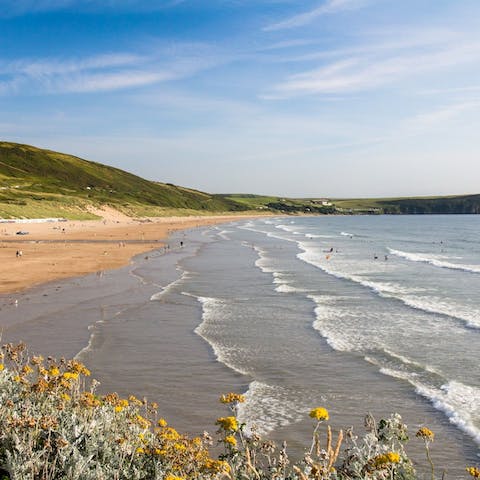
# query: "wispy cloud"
{"type": "Point", "coordinates": [451, 90]}
{"type": "Point", "coordinates": [45, 67]}
{"type": "Point", "coordinates": [329, 7]}
{"type": "Point", "coordinates": [100, 73]}
{"type": "Point", "coordinates": [441, 116]}
{"type": "Point", "coordinates": [355, 73]}
{"type": "Point", "coordinates": [111, 81]}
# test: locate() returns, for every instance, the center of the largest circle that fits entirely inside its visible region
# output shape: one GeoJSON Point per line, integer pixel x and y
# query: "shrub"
{"type": "Point", "coordinates": [53, 425]}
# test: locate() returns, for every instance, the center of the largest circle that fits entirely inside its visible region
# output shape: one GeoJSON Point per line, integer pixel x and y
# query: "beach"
{"type": "Point", "coordinates": [56, 250]}
{"type": "Point", "coordinates": [264, 307]}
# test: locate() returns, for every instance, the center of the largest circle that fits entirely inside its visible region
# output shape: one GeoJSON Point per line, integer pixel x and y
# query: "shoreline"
{"type": "Point", "coordinates": [61, 250]}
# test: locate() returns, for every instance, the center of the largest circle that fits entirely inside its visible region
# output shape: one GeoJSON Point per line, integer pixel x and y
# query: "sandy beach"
{"type": "Point", "coordinates": [56, 250]}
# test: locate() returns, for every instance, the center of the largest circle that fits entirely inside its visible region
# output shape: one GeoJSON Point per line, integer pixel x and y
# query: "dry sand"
{"type": "Point", "coordinates": [51, 250]}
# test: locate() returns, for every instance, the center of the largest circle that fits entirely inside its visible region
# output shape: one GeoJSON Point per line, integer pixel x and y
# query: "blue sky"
{"type": "Point", "coordinates": [338, 98]}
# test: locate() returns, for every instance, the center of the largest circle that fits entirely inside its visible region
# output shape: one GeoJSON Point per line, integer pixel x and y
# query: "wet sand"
{"type": "Point", "coordinates": [56, 250]}
{"type": "Point", "coordinates": [134, 340]}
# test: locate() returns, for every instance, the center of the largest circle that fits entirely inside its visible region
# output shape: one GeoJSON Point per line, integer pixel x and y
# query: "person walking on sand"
{"type": "Point", "coordinates": [17, 254]}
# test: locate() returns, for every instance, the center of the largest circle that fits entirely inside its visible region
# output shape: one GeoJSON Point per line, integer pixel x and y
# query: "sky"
{"type": "Point", "coordinates": [299, 98]}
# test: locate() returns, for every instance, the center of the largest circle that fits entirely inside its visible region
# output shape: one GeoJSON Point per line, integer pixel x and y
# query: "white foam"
{"type": "Point", "coordinates": [281, 279]}
{"type": "Point", "coordinates": [315, 235]}
{"type": "Point", "coordinates": [263, 262]}
{"type": "Point", "coordinates": [409, 361]}
{"type": "Point", "coordinates": [159, 295]}
{"type": "Point", "coordinates": [435, 260]}
{"type": "Point", "coordinates": [268, 407]}
{"type": "Point", "coordinates": [346, 234]}
{"type": "Point", "coordinates": [289, 229]}
{"type": "Point", "coordinates": [460, 402]}
{"type": "Point", "coordinates": [223, 234]}
{"type": "Point", "coordinates": [213, 309]}
{"type": "Point", "coordinates": [406, 295]}
{"type": "Point", "coordinates": [286, 288]}
{"type": "Point", "coordinates": [316, 259]}
{"type": "Point", "coordinates": [93, 328]}
{"type": "Point", "coordinates": [470, 316]}
{"type": "Point", "coordinates": [326, 309]}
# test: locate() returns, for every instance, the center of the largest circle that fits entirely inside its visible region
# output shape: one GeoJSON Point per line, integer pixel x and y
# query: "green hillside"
{"type": "Point", "coordinates": [40, 183]}
{"type": "Point", "coordinates": [457, 204]}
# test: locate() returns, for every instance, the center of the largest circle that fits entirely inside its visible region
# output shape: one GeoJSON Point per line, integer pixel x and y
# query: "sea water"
{"type": "Point", "coordinates": [359, 314]}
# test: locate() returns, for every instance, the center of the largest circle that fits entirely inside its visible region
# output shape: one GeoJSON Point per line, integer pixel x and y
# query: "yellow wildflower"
{"type": "Point", "coordinates": [2, 366]}
{"type": "Point", "coordinates": [140, 450]}
{"type": "Point", "coordinates": [78, 367]}
{"type": "Point", "coordinates": [231, 440]}
{"type": "Point", "coordinates": [36, 360]}
{"type": "Point", "coordinates": [474, 472]}
{"type": "Point", "coordinates": [88, 399]}
{"type": "Point", "coordinates": [26, 369]}
{"type": "Point", "coordinates": [66, 397]}
{"type": "Point", "coordinates": [142, 422]}
{"type": "Point", "coordinates": [426, 434]}
{"type": "Point", "coordinates": [217, 466]}
{"type": "Point", "coordinates": [70, 376]}
{"type": "Point", "coordinates": [54, 372]}
{"type": "Point", "coordinates": [170, 434]}
{"type": "Point", "coordinates": [162, 422]}
{"type": "Point", "coordinates": [118, 408]}
{"type": "Point", "coordinates": [232, 398]}
{"type": "Point", "coordinates": [174, 477]}
{"type": "Point", "coordinates": [319, 413]}
{"type": "Point", "coordinates": [385, 459]}
{"type": "Point", "coordinates": [133, 399]}
{"type": "Point", "coordinates": [228, 423]}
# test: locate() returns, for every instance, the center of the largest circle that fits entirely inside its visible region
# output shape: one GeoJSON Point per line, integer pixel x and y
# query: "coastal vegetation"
{"type": "Point", "coordinates": [36, 183]}
{"type": "Point", "coordinates": [39, 183]}
{"type": "Point", "coordinates": [458, 204]}
{"type": "Point", "coordinates": [54, 425]}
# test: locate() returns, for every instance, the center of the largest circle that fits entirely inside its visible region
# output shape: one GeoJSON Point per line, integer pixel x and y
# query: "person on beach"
{"type": "Point", "coordinates": [17, 254]}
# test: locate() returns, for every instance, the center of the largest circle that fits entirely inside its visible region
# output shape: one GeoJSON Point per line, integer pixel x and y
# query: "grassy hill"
{"type": "Point", "coordinates": [36, 183]}
{"type": "Point", "coordinates": [40, 183]}
{"type": "Point", "coordinates": [456, 204]}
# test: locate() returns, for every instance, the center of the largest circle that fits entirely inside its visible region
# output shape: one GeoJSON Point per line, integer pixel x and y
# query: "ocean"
{"type": "Point", "coordinates": [358, 314]}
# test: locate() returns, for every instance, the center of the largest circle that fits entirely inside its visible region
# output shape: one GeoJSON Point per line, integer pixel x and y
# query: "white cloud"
{"type": "Point", "coordinates": [441, 116]}
{"type": "Point", "coordinates": [110, 81]}
{"type": "Point", "coordinates": [329, 7]}
{"type": "Point", "coordinates": [101, 73]}
{"type": "Point", "coordinates": [45, 67]}
{"type": "Point", "coordinates": [364, 72]}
